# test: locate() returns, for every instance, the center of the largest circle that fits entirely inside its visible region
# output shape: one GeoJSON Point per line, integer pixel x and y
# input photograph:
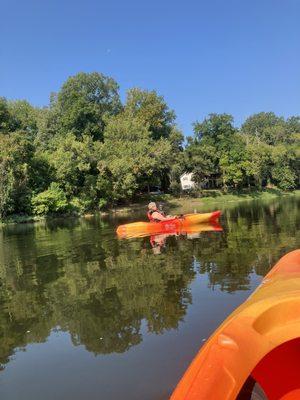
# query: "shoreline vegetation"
{"type": "Point", "coordinates": [188, 203]}
{"type": "Point", "coordinates": [89, 151]}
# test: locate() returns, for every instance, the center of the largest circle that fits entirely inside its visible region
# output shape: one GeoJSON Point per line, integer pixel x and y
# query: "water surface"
{"type": "Point", "coordinates": [85, 315]}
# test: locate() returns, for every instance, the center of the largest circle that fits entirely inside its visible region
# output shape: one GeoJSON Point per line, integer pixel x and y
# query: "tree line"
{"type": "Point", "coordinates": [87, 150]}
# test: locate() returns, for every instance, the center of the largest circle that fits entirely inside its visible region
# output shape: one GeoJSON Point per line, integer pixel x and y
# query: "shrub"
{"type": "Point", "coordinates": [81, 204]}
{"type": "Point", "coordinates": [51, 201]}
{"type": "Point", "coordinates": [102, 203]}
{"type": "Point", "coordinates": [284, 177]}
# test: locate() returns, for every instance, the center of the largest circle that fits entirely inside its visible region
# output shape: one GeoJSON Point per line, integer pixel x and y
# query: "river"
{"type": "Point", "coordinates": [85, 315]}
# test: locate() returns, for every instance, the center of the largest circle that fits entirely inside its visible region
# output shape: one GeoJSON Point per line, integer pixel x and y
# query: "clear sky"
{"type": "Point", "coordinates": [234, 56]}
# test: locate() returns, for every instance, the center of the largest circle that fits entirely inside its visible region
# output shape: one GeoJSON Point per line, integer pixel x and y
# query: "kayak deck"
{"type": "Point", "coordinates": [258, 345]}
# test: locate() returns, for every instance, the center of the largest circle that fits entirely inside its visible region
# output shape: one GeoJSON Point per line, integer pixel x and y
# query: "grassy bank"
{"type": "Point", "coordinates": [207, 199]}
{"type": "Point", "coordinates": [218, 199]}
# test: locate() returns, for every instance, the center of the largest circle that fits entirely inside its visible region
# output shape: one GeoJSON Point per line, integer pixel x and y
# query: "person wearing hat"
{"type": "Point", "coordinates": [155, 215]}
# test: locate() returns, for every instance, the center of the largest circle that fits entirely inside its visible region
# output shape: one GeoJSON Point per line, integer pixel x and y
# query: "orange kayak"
{"type": "Point", "coordinates": [255, 353]}
{"type": "Point", "coordinates": [190, 232]}
{"type": "Point", "coordinates": [177, 224]}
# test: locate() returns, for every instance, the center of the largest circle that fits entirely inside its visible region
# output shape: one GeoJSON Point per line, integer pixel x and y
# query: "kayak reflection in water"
{"type": "Point", "coordinates": [158, 242]}
{"type": "Point", "coordinates": [156, 215]}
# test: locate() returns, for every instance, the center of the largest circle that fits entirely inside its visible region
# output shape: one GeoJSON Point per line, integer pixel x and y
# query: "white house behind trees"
{"type": "Point", "coordinates": [186, 181]}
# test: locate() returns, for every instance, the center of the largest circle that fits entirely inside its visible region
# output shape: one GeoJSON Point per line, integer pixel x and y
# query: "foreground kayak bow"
{"type": "Point", "coordinates": [176, 224]}
{"type": "Point", "coordinates": [258, 345]}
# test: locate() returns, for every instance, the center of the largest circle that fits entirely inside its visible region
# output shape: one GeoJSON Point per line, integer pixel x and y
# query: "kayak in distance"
{"type": "Point", "coordinates": [179, 224]}
{"type": "Point", "coordinates": [255, 353]}
{"type": "Point", "coordinates": [190, 232]}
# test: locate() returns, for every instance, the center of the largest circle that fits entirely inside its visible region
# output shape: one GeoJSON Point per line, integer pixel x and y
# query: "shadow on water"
{"type": "Point", "coordinates": [75, 276]}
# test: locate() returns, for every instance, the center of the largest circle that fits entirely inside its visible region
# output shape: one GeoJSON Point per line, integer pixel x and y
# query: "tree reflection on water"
{"type": "Point", "coordinates": [76, 276]}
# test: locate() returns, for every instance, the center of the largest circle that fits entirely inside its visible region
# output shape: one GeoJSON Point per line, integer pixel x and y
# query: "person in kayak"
{"type": "Point", "coordinates": [156, 215]}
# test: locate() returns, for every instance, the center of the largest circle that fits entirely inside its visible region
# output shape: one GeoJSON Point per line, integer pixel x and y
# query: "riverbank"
{"type": "Point", "coordinates": [184, 203]}
{"type": "Point", "coordinates": [208, 198]}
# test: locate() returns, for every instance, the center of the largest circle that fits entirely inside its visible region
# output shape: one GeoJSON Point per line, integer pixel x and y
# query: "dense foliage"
{"type": "Point", "coordinates": [87, 150]}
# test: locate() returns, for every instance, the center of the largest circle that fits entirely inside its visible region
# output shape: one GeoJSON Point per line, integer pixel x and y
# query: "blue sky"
{"type": "Point", "coordinates": [232, 56]}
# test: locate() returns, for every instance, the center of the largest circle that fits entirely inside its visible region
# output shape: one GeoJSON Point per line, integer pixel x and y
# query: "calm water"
{"type": "Point", "coordinates": [87, 316]}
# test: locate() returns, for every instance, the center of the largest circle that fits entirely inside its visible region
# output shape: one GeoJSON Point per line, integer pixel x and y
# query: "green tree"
{"type": "Point", "coordinates": [73, 161]}
{"type": "Point", "coordinates": [150, 108]}
{"type": "Point", "coordinates": [84, 100]}
{"type": "Point", "coordinates": [6, 120]}
{"type": "Point", "coordinates": [208, 153]}
{"type": "Point", "coordinates": [41, 172]}
{"type": "Point", "coordinates": [257, 162]}
{"type": "Point", "coordinates": [24, 116]}
{"type": "Point", "coordinates": [16, 153]}
{"type": "Point", "coordinates": [129, 157]}
{"type": "Point", "coordinates": [48, 126]}
{"type": "Point", "coordinates": [233, 163]}
{"type": "Point", "coordinates": [215, 130]}
{"type": "Point", "coordinates": [283, 169]}
{"type": "Point", "coordinates": [293, 124]}
{"type": "Point", "coordinates": [170, 175]}
{"type": "Point", "coordinates": [267, 127]}
{"type": "Point", "coordinates": [201, 159]}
